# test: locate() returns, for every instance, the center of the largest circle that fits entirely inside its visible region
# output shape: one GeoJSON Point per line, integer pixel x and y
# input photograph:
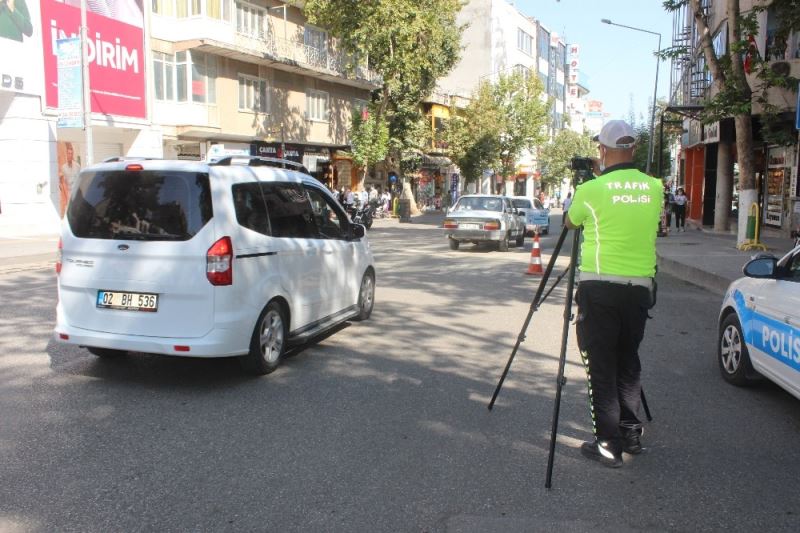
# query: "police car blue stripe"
{"type": "Point", "coordinates": [778, 340]}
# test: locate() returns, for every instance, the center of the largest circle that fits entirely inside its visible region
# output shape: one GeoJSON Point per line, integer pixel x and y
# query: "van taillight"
{"type": "Point", "coordinates": [59, 254]}
{"type": "Point", "coordinates": [219, 262]}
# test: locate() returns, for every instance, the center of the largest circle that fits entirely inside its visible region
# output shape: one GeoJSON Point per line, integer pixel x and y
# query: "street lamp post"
{"type": "Point", "coordinates": [655, 88]}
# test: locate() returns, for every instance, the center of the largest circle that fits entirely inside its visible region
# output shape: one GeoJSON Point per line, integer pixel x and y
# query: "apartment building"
{"type": "Point", "coordinates": [187, 79]}
{"type": "Point", "coordinates": [253, 77]}
{"type": "Point", "coordinates": [499, 39]}
{"type": "Point", "coordinates": [707, 152]}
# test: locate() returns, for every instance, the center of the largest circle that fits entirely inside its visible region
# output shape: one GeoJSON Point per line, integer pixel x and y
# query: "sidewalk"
{"type": "Point", "coordinates": [27, 253]}
{"type": "Point", "coordinates": [708, 259]}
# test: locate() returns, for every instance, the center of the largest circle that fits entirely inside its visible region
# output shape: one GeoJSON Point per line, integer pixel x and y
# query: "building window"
{"type": "Point", "coordinates": [544, 43]}
{"type": "Point", "coordinates": [316, 46]}
{"type": "Point", "coordinates": [524, 42]}
{"type": "Point", "coordinates": [171, 80]}
{"type": "Point", "coordinates": [523, 71]}
{"type": "Point", "coordinates": [359, 106]}
{"type": "Point", "coordinates": [204, 77]}
{"type": "Point", "coordinates": [252, 94]}
{"type": "Point", "coordinates": [561, 56]}
{"type": "Point", "coordinates": [250, 20]}
{"type": "Point", "coordinates": [317, 105]}
{"type": "Point", "coordinates": [215, 9]}
{"type": "Point", "coordinates": [171, 8]}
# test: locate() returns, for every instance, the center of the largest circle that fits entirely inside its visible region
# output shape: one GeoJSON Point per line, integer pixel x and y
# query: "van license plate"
{"type": "Point", "coordinates": [128, 301]}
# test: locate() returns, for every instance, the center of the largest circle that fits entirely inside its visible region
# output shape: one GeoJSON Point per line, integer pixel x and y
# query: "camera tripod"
{"type": "Point", "coordinates": [538, 299]}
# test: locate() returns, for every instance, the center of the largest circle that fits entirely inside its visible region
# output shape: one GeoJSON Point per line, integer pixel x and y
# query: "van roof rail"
{"type": "Point", "coordinates": [118, 158]}
{"type": "Point", "coordinates": [259, 161]}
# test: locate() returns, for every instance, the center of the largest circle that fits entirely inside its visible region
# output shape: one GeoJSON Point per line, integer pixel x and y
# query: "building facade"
{"type": "Point", "coordinates": [169, 78]}
{"type": "Point", "coordinates": [500, 40]}
{"type": "Point", "coordinates": [707, 153]}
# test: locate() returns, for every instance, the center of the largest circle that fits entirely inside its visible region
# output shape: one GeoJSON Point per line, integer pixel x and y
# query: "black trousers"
{"type": "Point", "coordinates": [680, 216]}
{"type": "Point", "coordinates": [610, 326]}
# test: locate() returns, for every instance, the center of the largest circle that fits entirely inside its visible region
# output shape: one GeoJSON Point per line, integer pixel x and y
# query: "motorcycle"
{"type": "Point", "coordinates": [363, 215]}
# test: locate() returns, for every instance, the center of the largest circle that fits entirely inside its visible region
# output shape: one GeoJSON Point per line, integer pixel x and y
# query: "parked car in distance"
{"type": "Point", "coordinates": [238, 258]}
{"type": "Point", "coordinates": [537, 216]}
{"type": "Point", "coordinates": [481, 218]}
{"type": "Point", "coordinates": [759, 324]}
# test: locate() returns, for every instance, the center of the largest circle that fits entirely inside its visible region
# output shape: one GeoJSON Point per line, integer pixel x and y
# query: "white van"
{"type": "Point", "coordinates": [233, 258]}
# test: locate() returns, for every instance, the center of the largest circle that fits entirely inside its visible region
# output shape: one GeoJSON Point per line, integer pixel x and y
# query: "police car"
{"type": "Point", "coordinates": [759, 324]}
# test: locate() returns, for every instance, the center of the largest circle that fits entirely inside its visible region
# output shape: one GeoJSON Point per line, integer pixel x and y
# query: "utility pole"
{"type": "Point", "coordinates": [87, 98]}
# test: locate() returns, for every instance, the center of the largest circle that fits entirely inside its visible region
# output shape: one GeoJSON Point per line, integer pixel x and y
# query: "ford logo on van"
{"type": "Point", "coordinates": [123, 247]}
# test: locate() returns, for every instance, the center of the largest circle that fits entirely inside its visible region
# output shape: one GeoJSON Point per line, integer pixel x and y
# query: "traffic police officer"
{"type": "Point", "coordinates": [619, 212]}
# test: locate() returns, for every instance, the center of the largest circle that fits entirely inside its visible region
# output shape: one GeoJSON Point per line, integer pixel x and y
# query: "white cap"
{"type": "Point", "coordinates": [616, 134]}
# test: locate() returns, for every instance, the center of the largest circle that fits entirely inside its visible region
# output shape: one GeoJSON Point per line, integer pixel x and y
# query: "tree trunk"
{"type": "Point", "coordinates": [722, 202]}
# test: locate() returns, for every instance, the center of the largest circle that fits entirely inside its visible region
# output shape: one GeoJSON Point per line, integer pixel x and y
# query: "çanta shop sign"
{"type": "Point", "coordinates": [292, 152]}
{"type": "Point", "coordinates": [116, 69]}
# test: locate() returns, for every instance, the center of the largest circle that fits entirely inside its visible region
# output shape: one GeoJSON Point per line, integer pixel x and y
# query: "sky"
{"type": "Point", "coordinates": [619, 62]}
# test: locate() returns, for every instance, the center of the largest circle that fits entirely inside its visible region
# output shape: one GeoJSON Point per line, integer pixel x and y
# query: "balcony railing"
{"type": "Point", "coordinates": [319, 59]}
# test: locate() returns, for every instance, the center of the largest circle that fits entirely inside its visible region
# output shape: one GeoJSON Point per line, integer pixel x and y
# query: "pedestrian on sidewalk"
{"type": "Point", "coordinates": [669, 200]}
{"type": "Point", "coordinates": [680, 210]}
{"type": "Point", "coordinates": [621, 209]}
{"type": "Point", "coordinates": [567, 203]}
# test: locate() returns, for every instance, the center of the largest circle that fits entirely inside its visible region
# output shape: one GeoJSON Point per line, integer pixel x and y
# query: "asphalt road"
{"type": "Point", "coordinates": [383, 426]}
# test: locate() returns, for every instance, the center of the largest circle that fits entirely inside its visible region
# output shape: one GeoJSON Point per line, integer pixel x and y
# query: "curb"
{"type": "Point", "coordinates": [701, 278]}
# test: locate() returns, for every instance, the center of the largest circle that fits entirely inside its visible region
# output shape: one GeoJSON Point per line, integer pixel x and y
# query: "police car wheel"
{"type": "Point", "coordinates": [732, 355]}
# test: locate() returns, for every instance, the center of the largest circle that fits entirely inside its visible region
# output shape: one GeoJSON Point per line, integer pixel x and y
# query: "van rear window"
{"type": "Point", "coordinates": [147, 205]}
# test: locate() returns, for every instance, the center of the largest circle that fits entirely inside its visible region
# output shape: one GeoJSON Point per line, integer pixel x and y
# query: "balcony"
{"type": "Point", "coordinates": [220, 37]}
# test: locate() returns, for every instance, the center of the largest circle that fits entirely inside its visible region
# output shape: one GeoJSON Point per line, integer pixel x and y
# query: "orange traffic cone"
{"type": "Point", "coordinates": [535, 266]}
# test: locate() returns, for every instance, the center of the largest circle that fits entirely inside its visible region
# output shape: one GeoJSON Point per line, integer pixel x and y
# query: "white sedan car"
{"type": "Point", "coordinates": [759, 324]}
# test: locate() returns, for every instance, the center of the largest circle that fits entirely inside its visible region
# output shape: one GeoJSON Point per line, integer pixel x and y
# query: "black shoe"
{"type": "Point", "coordinates": [601, 452]}
{"type": "Point", "coordinates": [631, 441]}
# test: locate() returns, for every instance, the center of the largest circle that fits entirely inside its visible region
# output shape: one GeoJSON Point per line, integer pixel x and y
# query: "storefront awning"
{"type": "Point", "coordinates": [433, 161]}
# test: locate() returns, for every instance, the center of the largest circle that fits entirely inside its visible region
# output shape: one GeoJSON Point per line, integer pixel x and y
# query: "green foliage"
{"type": "Point", "coordinates": [501, 121]}
{"type": "Point", "coordinates": [410, 44]}
{"type": "Point", "coordinates": [735, 96]}
{"type": "Point", "coordinates": [369, 137]}
{"type": "Point", "coordinates": [555, 157]}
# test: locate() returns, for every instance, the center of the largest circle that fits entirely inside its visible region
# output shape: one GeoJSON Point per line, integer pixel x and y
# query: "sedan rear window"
{"type": "Point", "coordinates": [141, 205]}
{"type": "Point", "coordinates": [523, 204]}
{"type": "Point", "coordinates": [487, 203]}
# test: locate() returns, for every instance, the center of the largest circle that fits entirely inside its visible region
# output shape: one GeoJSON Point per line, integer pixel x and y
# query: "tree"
{"type": "Point", "coordinates": [732, 94]}
{"type": "Point", "coordinates": [556, 156]}
{"type": "Point", "coordinates": [369, 137]}
{"type": "Point", "coordinates": [501, 121]}
{"type": "Point", "coordinates": [410, 44]}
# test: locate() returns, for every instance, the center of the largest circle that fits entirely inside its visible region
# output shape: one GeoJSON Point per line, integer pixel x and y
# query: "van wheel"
{"type": "Point", "coordinates": [105, 353]}
{"type": "Point", "coordinates": [366, 296]}
{"type": "Point", "coordinates": [453, 244]}
{"type": "Point", "coordinates": [502, 245]}
{"type": "Point", "coordinates": [268, 341]}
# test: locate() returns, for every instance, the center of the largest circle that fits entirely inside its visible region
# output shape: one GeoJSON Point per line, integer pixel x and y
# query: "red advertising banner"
{"type": "Point", "coordinates": [116, 52]}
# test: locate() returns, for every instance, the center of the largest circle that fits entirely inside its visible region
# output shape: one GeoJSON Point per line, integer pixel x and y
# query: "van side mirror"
{"type": "Point", "coordinates": [357, 231]}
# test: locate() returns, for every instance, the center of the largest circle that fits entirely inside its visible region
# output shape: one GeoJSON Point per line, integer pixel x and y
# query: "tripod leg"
{"type": "Point", "coordinates": [534, 306]}
{"type": "Point", "coordinates": [560, 380]}
{"type": "Point", "coordinates": [646, 409]}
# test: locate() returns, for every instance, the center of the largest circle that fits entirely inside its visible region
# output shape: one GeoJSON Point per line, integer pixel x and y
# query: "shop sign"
{"type": "Point", "coordinates": [70, 84]}
{"type": "Point", "coordinates": [694, 135]}
{"type": "Point", "coordinates": [21, 66]}
{"type": "Point", "coordinates": [711, 133]}
{"type": "Point", "coordinates": [776, 176]}
{"type": "Point", "coordinates": [115, 52]}
{"type": "Point", "coordinates": [292, 152]}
